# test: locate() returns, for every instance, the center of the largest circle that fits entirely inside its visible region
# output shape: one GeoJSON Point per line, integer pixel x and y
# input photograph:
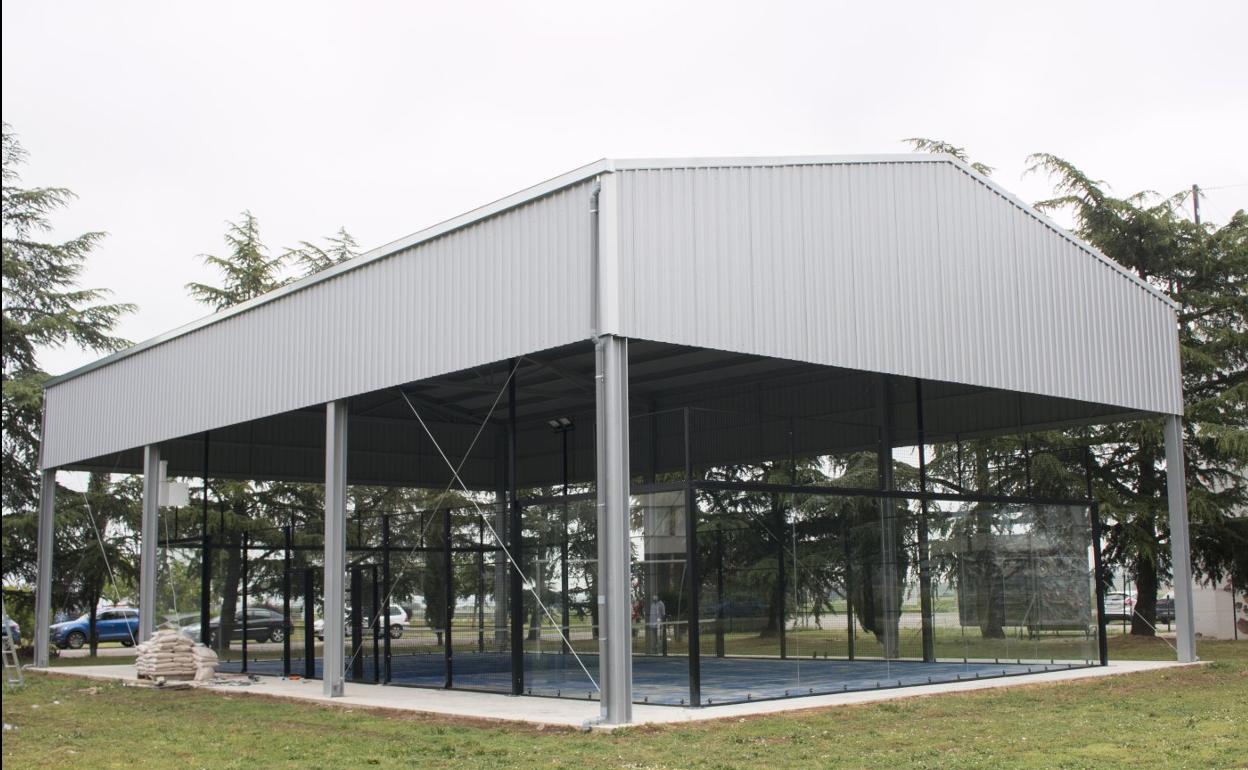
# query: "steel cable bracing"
{"type": "Point", "coordinates": [107, 567]}
{"type": "Point", "coordinates": [528, 584]}
{"type": "Point", "coordinates": [173, 585]}
{"type": "Point", "coordinates": [455, 469]}
{"type": "Point", "coordinates": [437, 506]}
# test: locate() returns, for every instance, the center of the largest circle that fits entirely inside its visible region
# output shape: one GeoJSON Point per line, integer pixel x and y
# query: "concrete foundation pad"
{"type": "Point", "coordinates": [581, 713]}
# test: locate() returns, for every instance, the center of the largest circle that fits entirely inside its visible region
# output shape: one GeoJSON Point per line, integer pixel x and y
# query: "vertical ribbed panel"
{"type": "Point", "coordinates": [514, 283]}
{"type": "Point", "coordinates": [911, 268]}
{"type": "Point", "coordinates": [915, 267]}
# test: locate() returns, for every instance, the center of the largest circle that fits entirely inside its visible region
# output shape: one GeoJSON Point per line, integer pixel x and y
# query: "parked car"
{"type": "Point", "coordinates": [117, 624]}
{"type": "Point", "coordinates": [263, 625]}
{"type": "Point", "coordinates": [1118, 606]}
{"type": "Point", "coordinates": [1165, 610]}
{"type": "Point", "coordinates": [398, 620]}
{"type": "Point", "coordinates": [12, 629]}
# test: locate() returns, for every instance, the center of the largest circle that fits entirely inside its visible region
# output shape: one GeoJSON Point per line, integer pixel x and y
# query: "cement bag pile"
{"type": "Point", "coordinates": [167, 655]}
{"type": "Point", "coordinates": [205, 662]}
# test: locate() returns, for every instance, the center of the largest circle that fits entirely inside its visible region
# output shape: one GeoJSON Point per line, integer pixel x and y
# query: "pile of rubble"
{"type": "Point", "coordinates": [169, 655]}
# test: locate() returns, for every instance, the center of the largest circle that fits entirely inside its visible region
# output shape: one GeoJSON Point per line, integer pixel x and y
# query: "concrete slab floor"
{"type": "Point", "coordinates": [580, 713]}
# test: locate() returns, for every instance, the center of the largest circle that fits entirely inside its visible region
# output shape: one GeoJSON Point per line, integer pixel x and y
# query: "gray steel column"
{"type": "Point", "coordinates": [43, 577]}
{"type": "Point", "coordinates": [148, 537]}
{"type": "Point", "coordinates": [333, 657]}
{"type": "Point", "coordinates": [614, 585]}
{"type": "Point", "coordinates": [1180, 540]}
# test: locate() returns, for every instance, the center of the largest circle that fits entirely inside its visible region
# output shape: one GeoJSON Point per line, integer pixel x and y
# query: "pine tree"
{"type": "Point", "coordinates": [43, 308]}
{"type": "Point", "coordinates": [311, 258]}
{"type": "Point", "coordinates": [938, 147]}
{"type": "Point", "coordinates": [1204, 269]}
{"type": "Point", "coordinates": [247, 272]}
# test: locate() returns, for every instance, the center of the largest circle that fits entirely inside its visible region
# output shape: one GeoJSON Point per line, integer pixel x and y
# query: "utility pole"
{"type": "Point", "coordinates": [1196, 204]}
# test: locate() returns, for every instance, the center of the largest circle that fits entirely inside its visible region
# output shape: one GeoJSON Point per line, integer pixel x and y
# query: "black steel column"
{"type": "Point", "coordinates": [695, 583]}
{"type": "Point", "coordinates": [287, 626]}
{"type": "Point", "coordinates": [719, 591]}
{"type": "Point", "coordinates": [481, 584]}
{"type": "Point", "coordinates": [925, 565]}
{"type": "Point", "coordinates": [783, 534]}
{"type": "Point", "coordinates": [205, 588]}
{"type": "Point", "coordinates": [565, 616]}
{"type": "Point", "coordinates": [244, 541]}
{"type": "Point", "coordinates": [357, 626]}
{"type": "Point", "coordinates": [204, 524]}
{"type": "Point", "coordinates": [1094, 513]}
{"type": "Point", "coordinates": [516, 587]}
{"type": "Point", "coordinates": [376, 628]}
{"type": "Point", "coordinates": [448, 593]}
{"type": "Point", "coordinates": [781, 577]}
{"type": "Point", "coordinates": [847, 531]}
{"type": "Point", "coordinates": [385, 579]}
{"type": "Point", "coordinates": [309, 624]}
{"type": "Point", "coordinates": [205, 584]}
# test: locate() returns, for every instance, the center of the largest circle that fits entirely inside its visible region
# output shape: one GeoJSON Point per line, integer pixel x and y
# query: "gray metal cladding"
{"type": "Point", "coordinates": [510, 284]}
{"type": "Point", "coordinates": [906, 265]}
{"type": "Point", "coordinates": [920, 268]}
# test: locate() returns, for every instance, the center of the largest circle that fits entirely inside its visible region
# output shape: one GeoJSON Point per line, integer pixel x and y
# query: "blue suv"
{"type": "Point", "coordinates": [119, 624]}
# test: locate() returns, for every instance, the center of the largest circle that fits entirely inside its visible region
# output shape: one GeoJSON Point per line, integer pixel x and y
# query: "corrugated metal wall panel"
{"type": "Point", "coordinates": [514, 283]}
{"type": "Point", "coordinates": [911, 268]}
{"type": "Point", "coordinates": [914, 267]}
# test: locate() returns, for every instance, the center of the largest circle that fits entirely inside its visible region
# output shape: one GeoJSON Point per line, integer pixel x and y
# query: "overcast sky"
{"type": "Point", "coordinates": [168, 119]}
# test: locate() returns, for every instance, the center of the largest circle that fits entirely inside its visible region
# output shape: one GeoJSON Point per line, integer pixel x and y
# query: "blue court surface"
{"type": "Point", "coordinates": [665, 680]}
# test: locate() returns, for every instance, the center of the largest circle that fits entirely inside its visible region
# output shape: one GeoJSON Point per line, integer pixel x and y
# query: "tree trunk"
{"type": "Point", "coordinates": [93, 636]}
{"type": "Point", "coordinates": [1144, 569]}
{"type": "Point", "coordinates": [229, 595]}
{"type": "Point", "coordinates": [1144, 616]}
{"type": "Point", "coordinates": [772, 626]}
{"type": "Point", "coordinates": [991, 595]}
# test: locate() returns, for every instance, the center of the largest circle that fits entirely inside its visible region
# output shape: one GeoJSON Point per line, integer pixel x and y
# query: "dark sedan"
{"type": "Point", "coordinates": [263, 625]}
{"type": "Point", "coordinates": [1165, 611]}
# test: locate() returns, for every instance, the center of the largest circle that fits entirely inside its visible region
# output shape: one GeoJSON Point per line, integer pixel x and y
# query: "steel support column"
{"type": "Point", "coordinates": [692, 572]}
{"type": "Point", "coordinates": [148, 538]}
{"type": "Point", "coordinates": [335, 545]}
{"type": "Point", "coordinates": [515, 544]}
{"type": "Point", "coordinates": [928, 619]}
{"type": "Point", "coordinates": [43, 577]}
{"type": "Point", "coordinates": [287, 625]}
{"type": "Point", "coordinates": [499, 527]}
{"type": "Point", "coordinates": [615, 609]}
{"type": "Point", "coordinates": [1180, 540]}
{"type": "Point", "coordinates": [890, 604]}
{"type": "Point", "coordinates": [387, 590]}
{"type": "Point", "coordinates": [448, 599]}
{"type": "Point", "coordinates": [244, 546]}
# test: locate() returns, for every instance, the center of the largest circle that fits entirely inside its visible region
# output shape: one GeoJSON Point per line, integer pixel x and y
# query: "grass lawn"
{"type": "Point", "coordinates": [1195, 718]}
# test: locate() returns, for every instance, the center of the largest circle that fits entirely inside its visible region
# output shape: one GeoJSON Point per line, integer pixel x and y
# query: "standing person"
{"type": "Point", "coordinates": [654, 624]}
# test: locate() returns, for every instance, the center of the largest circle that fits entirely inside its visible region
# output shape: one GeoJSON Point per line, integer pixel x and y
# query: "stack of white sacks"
{"type": "Point", "coordinates": [169, 655]}
{"type": "Point", "coordinates": [205, 662]}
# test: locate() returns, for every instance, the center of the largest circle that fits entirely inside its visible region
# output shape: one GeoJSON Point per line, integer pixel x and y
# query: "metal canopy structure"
{"type": "Point", "coordinates": [388, 447]}
{"type": "Point", "coordinates": [784, 288]}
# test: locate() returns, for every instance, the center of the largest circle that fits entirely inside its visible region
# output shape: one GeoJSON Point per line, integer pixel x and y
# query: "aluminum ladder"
{"type": "Point", "coordinates": [12, 666]}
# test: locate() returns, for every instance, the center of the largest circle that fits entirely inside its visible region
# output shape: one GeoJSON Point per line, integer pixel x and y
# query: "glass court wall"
{"type": "Point", "coordinates": [795, 574]}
